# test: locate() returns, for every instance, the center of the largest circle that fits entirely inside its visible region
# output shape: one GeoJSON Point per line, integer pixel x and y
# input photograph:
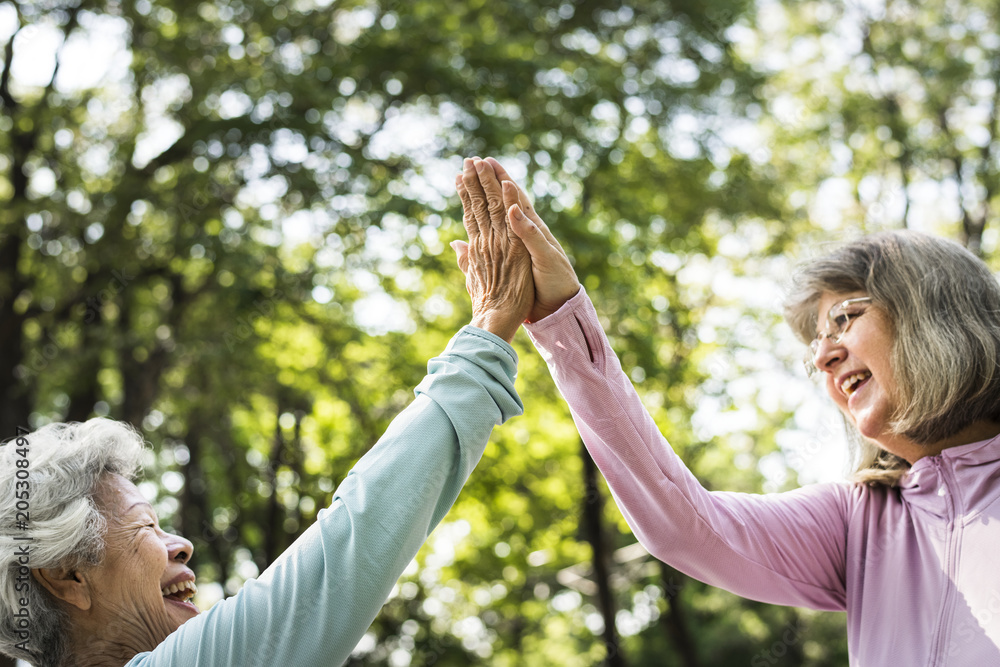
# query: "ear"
{"type": "Point", "coordinates": [69, 586]}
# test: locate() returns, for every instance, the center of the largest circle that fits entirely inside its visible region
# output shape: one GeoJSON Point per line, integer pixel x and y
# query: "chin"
{"type": "Point", "coordinates": [180, 613]}
{"type": "Point", "coordinates": [873, 427]}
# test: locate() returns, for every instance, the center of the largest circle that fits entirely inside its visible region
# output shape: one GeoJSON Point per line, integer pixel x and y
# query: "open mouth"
{"type": "Point", "coordinates": [852, 383]}
{"type": "Point", "coordinates": [182, 591]}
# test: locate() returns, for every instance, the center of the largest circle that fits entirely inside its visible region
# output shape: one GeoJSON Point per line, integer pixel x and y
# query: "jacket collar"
{"type": "Point", "coordinates": [960, 480]}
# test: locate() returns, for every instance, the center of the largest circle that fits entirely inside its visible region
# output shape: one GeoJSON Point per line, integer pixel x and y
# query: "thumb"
{"type": "Point", "coordinates": [529, 233]}
{"type": "Point", "coordinates": [461, 249]}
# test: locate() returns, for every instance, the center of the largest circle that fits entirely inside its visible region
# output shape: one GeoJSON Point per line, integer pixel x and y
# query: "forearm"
{"type": "Point", "coordinates": [735, 541]}
{"type": "Point", "coordinates": [316, 601]}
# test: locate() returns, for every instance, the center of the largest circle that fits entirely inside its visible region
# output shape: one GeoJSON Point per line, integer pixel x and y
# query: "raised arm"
{"type": "Point", "coordinates": [313, 604]}
{"type": "Point", "coordinates": [782, 548]}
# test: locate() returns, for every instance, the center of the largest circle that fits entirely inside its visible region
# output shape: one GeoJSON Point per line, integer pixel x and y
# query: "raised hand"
{"type": "Point", "coordinates": [554, 277]}
{"type": "Point", "coordinates": [495, 262]}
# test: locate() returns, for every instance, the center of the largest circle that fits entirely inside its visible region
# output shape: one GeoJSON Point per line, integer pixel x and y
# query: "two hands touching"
{"type": "Point", "coordinates": [515, 270]}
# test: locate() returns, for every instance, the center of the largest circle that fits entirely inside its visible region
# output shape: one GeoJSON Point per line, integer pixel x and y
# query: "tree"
{"type": "Point", "coordinates": [898, 113]}
{"type": "Point", "coordinates": [195, 242]}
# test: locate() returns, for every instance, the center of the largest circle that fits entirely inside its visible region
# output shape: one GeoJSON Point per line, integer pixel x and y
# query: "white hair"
{"type": "Point", "coordinates": [65, 527]}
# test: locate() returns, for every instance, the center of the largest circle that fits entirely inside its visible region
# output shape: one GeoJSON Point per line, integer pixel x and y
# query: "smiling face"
{"type": "Point", "coordinates": [858, 373]}
{"type": "Point", "coordinates": [139, 592]}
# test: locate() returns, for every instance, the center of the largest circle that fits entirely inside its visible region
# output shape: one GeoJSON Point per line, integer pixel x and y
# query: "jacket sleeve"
{"type": "Point", "coordinates": [314, 603]}
{"type": "Point", "coordinates": [783, 548]}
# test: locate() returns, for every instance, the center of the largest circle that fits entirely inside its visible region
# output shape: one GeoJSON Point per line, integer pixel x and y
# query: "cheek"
{"type": "Point", "coordinates": [141, 566]}
{"type": "Point", "coordinates": [887, 380]}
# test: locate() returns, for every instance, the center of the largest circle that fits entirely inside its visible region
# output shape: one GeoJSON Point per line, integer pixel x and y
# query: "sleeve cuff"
{"type": "Point", "coordinates": [556, 318]}
{"type": "Point", "coordinates": [455, 344]}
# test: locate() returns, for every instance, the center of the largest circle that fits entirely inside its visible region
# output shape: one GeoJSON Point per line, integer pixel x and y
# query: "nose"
{"type": "Point", "coordinates": [828, 354]}
{"type": "Point", "coordinates": [179, 549]}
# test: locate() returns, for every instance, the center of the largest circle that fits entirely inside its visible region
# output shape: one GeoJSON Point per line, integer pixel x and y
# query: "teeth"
{"type": "Point", "coordinates": [848, 385]}
{"type": "Point", "coordinates": [187, 589]}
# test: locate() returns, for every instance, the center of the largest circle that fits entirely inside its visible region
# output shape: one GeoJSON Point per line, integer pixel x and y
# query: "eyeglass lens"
{"type": "Point", "coordinates": [839, 318]}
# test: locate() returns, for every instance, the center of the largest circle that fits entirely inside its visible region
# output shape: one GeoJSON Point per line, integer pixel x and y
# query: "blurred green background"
{"type": "Point", "coordinates": [226, 222]}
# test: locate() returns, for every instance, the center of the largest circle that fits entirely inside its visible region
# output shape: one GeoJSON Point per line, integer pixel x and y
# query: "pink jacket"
{"type": "Point", "coordinates": [915, 567]}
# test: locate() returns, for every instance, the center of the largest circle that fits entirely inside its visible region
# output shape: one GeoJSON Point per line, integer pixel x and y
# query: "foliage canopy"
{"type": "Point", "coordinates": [226, 222]}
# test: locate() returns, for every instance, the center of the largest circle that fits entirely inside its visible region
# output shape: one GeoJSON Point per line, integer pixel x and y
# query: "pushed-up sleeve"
{"type": "Point", "coordinates": [783, 548]}
{"type": "Point", "coordinates": [314, 603]}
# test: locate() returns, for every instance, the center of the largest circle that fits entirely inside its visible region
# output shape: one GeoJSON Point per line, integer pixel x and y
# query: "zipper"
{"type": "Point", "coordinates": [951, 547]}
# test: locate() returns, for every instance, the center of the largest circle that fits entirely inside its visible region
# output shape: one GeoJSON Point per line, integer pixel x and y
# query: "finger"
{"type": "Point", "coordinates": [510, 194]}
{"type": "Point", "coordinates": [525, 203]}
{"type": "Point", "coordinates": [523, 199]}
{"type": "Point", "coordinates": [499, 170]}
{"type": "Point", "coordinates": [461, 249]}
{"type": "Point", "coordinates": [477, 196]}
{"type": "Point", "coordinates": [468, 217]}
{"type": "Point", "coordinates": [494, 195]}
{"type": "Point", "coordinates": [504, 175]}
{"type": "Point", "coordinates": [530, 234]}
{"type": "Point", "coordinates": [529, 211]}
{"type": "Point", "coordinates": [526, 206]}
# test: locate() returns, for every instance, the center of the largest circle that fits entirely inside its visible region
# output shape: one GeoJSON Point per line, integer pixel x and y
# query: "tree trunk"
{"type": "Point", "coordinates": [84, 395]}
{"type": "Point", "coordinates": [274, 530]}
{"type": "Point", "coordinates": [15, 401]}
{"type": "Point", "coordinates": [675, 620]}
{"type": "Point", "coordinates": [593, 505]}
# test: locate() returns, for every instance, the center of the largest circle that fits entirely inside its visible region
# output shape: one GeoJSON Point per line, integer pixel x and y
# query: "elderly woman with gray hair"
{"type": "Point", "coordinates": [89, 577]}
{"type": "Point", "coordinates": [904, 329]}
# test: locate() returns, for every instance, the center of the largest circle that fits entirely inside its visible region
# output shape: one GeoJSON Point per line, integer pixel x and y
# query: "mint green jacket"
{"type": "Point", "coordinates": [314, 603]}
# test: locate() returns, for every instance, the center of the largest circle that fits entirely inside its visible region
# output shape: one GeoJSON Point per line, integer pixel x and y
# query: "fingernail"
{"type": "Point", "coordinates": [454, 245]}
{"type": "Point", "coordinates": [506, 185]}
{"type": "Point", "coordinates": [480, 165]}
{"type": "Point", "coordinates": [517, 212]}
{"type": "Point", "coordinates": [467, 163]}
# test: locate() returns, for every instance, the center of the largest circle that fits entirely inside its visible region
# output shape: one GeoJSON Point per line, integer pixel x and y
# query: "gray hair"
{"type": "Point", "coordinates": [944, 306]}
{"type": "Point", "coordinates": [64, 464]}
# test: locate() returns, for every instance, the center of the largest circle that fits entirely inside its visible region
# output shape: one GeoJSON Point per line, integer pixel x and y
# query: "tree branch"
{"type": "Point", "coordinates": [898, 128]}
{"type": "Point", "coordinates": [71, 25]}
{"type": "Point", "coordinates": [9, 103]}
{"type": "Point", "coordinates": [988, 173]}
{"type": "Point", "coordinates": [972, 229]}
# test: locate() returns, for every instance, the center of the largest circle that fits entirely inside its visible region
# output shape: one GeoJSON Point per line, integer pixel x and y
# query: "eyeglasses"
{"type": "Point", "coordinates": [839, 318]}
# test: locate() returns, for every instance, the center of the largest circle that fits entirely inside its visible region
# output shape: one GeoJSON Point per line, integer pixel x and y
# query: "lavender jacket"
{"type": "Point", "coordinates": [916, 567]}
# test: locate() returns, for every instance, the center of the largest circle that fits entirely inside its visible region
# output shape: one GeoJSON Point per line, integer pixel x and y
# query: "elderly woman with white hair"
{"type": "Point", "coordinates": [89, 578]}
{"type": "Point", "coordinates": [904, 330]}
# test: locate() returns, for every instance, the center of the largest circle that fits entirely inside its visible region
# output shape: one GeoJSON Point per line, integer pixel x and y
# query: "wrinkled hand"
{"type": "Point", "coordinates": [495, 262]}
{"type": "Point", "coordinates": [553, 275]}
